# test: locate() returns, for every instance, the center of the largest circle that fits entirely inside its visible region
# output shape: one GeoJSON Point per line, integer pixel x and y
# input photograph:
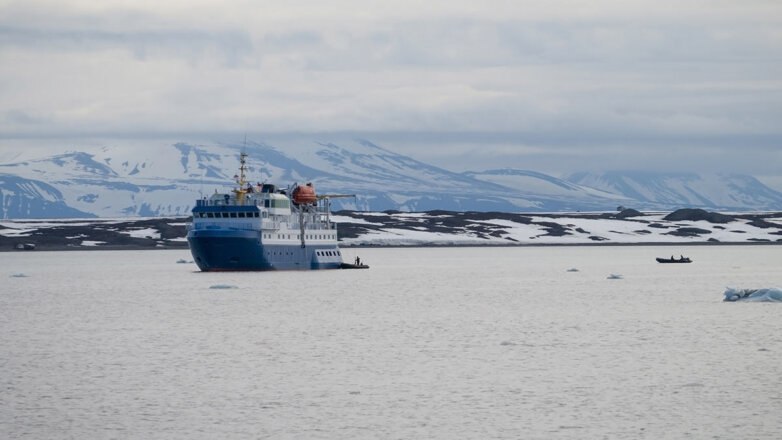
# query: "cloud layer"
{"type": "Point", "coordinates": [515, 80]}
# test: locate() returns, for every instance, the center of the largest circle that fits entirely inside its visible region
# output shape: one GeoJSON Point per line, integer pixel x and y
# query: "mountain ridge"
{"type": "Point", "coordinates": [165, 180]}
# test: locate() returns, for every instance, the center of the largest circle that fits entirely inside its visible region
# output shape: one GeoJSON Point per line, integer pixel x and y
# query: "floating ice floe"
{"type": "Point", "coordinates": [223, 286]}
{"type": "Point", "coordinates": [18, 275]}
{"type": "Point", "coordinates": [614, 276]}
{"type": "Point", "coordinates": [773, 294]}
{"type": "Point", "coordinates": [183, 261]}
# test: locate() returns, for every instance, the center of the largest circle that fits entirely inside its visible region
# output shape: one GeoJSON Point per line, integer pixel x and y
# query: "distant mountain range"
{"type": "Point", "coordinates": [166, 181]}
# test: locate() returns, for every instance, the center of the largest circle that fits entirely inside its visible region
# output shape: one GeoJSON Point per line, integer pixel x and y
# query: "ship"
{"type": "Point", "coordinates": [263, 227]}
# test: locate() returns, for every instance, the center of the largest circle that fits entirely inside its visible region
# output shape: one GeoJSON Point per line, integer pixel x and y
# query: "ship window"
{"type": "Point", "coordinates": [255, 214]}
{"type": "Point", "coordinates": [210, 215]}
{"type": "Point", "coordinates": [279, 203]}
{"type": "Point", "coordinates": [233, 215]}
{"type": "Point", "coordinates": [241, 215]}
{"type": "Point", "coordinates": [266, 203]}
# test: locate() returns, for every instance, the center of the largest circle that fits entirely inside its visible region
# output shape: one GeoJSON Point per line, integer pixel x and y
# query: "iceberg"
{"type": "Point", "coordinates": [773, 294]}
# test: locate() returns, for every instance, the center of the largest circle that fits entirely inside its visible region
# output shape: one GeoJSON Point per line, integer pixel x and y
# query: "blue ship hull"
{"type": "Point", "coordinates": [236, 250]}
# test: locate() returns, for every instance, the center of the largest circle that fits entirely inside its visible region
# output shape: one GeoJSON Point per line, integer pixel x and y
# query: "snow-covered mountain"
{"type": "Point", "coordinates": [165, 180]}
{"type": "Point", "coordinates": [550, 193]}
{"type": "Point", "coordinates": [676, 190]}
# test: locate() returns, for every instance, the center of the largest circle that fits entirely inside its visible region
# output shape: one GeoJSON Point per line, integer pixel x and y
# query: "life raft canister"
{"type": "Point", "coordinates": [304, 194]}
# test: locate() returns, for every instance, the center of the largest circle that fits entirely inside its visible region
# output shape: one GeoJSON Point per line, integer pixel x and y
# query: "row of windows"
{"type": "Point", "coordinates": [320, 253]}
{"type": "Point", "coordinates": [298, 236]}
{"type": "Point", "coordinates": [328, 253]}
{"type": "Point", "coordinates": [227, 214]}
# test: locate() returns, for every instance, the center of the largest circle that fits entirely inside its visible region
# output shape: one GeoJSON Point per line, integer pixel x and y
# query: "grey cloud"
{"type": "Point", "coordinates": [481, 43]}
{"type": "Point", "coordinates": [176, 43]}
{"type": "Point", "coordinates": [17, 116]}
{"type": "Point", "coordinates": [559, 90]}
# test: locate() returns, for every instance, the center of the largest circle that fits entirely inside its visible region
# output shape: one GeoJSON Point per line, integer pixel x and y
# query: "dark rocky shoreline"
{"type": "Point", "coordinates": [169, 233]}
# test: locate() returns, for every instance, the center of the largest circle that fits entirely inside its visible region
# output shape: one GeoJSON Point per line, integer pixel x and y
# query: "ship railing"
{"type": "Point", "coordinates": [270, 225]}
{"type": "Point", "coordinates": [315, 226]}
{"type": "Point", "coordinates": [225, 225]}
{"type": "Point", "coordinates": [222, 202]}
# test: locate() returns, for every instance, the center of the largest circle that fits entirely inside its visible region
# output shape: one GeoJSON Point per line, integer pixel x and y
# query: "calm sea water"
{"type": "Point", "coordinates": [465, 343]}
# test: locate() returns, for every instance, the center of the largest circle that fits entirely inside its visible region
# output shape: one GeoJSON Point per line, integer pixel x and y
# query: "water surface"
{"type": "Point", "coordinates": [429, 343]}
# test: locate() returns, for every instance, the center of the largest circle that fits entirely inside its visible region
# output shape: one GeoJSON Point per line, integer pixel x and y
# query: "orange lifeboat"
{"type": "Point", "coordinates": [304, 194]}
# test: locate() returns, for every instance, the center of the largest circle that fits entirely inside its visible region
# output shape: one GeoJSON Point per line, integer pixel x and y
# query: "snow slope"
{"type": "Point", "coordinates": [165, 180]}
{"type": "Point", "coordinates": [711, 191]}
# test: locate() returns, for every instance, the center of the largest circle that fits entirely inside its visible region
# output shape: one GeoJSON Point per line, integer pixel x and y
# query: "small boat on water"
{"type": "Point", "coordinates": [683, 259]}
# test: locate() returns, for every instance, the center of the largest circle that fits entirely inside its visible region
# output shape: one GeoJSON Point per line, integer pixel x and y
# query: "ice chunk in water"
{"type": "Point", "coordinates": [773, 294]}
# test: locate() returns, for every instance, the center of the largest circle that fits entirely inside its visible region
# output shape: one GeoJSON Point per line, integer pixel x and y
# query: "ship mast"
{"type": "Point", "coordinates": [241, 182]}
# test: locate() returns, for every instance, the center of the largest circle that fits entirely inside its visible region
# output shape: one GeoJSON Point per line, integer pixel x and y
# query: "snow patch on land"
{"type": "Point", "coordinates": [143, 233]}
{"type": "Point", "coordinates": [89, 243]}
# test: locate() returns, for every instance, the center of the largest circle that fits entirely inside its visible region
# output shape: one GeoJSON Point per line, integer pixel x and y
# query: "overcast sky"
{"type": "Point", "coordinates": [552, 86]}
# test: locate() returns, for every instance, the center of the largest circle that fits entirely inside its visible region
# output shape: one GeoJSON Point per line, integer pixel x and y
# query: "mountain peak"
{"type": "Point", "coordinates": [165, 180]}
